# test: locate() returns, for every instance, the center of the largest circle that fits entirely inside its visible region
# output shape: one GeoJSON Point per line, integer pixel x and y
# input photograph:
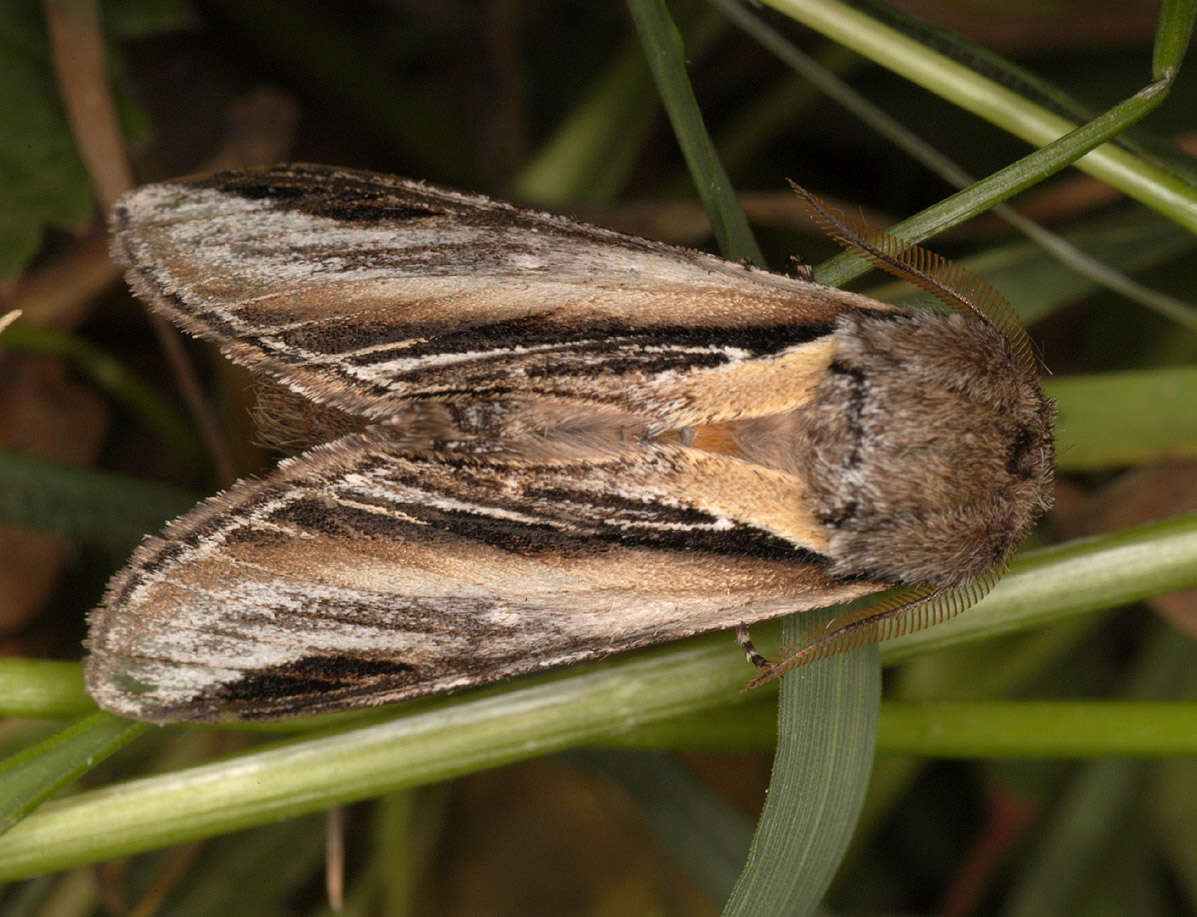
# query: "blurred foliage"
{"type": "Point", "coordinates": [553, 104]}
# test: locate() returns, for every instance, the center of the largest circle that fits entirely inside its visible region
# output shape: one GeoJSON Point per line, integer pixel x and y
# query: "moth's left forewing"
{"type": "Point", "coordinates": [365, 291]}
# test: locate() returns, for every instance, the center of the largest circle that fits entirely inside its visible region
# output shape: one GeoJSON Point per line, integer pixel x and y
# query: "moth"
{"type": "Point", "coordinates": [520, 442]}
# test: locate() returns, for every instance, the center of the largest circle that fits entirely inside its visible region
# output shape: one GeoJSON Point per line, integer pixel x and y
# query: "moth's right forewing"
{"type": "Point", "coordinates": [364, 291]}
{"type": "Point", "coordinates": [355, 575]}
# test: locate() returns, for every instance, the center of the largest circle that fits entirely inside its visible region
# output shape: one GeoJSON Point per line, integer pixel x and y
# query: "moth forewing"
{"type": "Point", "coordinates": [548, 442]}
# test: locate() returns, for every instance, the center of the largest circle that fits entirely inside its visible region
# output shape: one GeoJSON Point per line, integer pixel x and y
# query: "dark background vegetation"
{"type": "Point", "coordinates": [549, 104]}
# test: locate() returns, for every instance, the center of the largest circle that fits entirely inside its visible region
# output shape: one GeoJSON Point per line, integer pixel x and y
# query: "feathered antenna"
{"type": "Point", "coordinates": [952, 284]}
{"type": "Point", "coordinates": [911, 608]}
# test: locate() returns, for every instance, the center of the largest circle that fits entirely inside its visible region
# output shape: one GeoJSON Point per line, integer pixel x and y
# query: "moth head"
{"type": "Point", "coordinates": [931, 435]}
{"type": "Point", "coordinates": [930, 448]}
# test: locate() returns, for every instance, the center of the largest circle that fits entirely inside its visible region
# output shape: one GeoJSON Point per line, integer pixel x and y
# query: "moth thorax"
{"type": "Point", "coordinates": [930, 448]}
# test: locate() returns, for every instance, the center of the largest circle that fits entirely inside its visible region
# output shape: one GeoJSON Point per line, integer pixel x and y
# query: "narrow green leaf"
{"type": "Point", "coordinates": [1007, 182]}
{"type": "Point", "coordinates": [828, 726]}
{"type": "Point", "coordinates": [1126, 418]}
{"type": "Point", "coordinates": [1145, 181]}
{"type": "Point", "coordinates": [42, 689]}
{"type": "Point", "coordinates": [1094, 804]}
{"type": "Point", "coordinates": [1172, 36]}
{"type": "Point", "coordinates": [42, 179]}
{"type": "Point", "coordinates": [819, 776]}
{"type": "Point", "coordinates": [39, 771]}
{"type": "Point", "coordinates": [666, 60]}
{"type": "Point", "coordinates": [1039, 729]}
{"type": "Point", "coordinates": [743, 728]}
{"type": "Point", "coordinates": [959, 729]}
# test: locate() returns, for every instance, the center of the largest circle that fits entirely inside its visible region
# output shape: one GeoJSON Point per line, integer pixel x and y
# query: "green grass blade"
{"type": "Point", "coordinates": [1097, 801]}
{"type": "Point", "coordinates": [1145, 181]}
{"type": "Point", "coordinates": [827, 729]}
{"type": "Point", "coordinates": [1127, 418]}
{"type": "Point", "coordinates": [978, 729]}
{"type": "Point", "coordinates": [1007, 182]}
{"type": "Point", "coordinates": [42, 689]}
{"type": "Point", "coordinates": [1040, 729]}
{"type": "Point", "coordinates": [39, 771]}
{"type": "Point", "coordinates": [666, 60]}
{"type": "Point", "coordinates": [819, 776]}
{"type": "Point", "coordinates": [1172, 36]}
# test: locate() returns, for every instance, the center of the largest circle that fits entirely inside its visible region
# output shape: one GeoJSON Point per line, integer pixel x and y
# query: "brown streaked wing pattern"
{"type": "Point", "coordinates": [362, 290]}
{"type": "Point", "coordinates": [355, 575]}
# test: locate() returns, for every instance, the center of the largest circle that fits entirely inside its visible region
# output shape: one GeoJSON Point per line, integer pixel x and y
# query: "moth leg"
{"type": "Point", "coordinates": [802, 270]}
{"type": "Point", "coordinates": [750, 653]}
